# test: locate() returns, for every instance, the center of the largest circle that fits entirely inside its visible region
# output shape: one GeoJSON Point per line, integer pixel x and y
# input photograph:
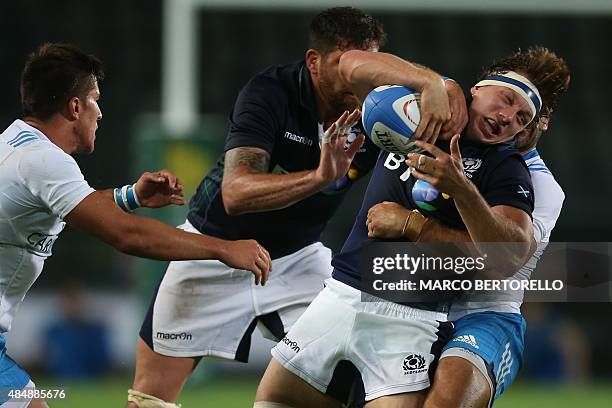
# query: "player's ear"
{"type": "Point", "coordinates": [74, 108]}
{"type": "Point", "coordinates": [473, 90]}
{"type": "Point", "coordinates": [313, 60]}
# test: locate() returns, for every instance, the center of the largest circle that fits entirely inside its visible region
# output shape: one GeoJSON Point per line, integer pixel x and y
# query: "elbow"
{"type": "Point", "coordinates": [523, 248]}
{"type": "Point", "coordinates": [348, 64]}
{"type": "Point", "coordinates": [125, 237]}
{"type": "Point", "coordinates": [126, 243]}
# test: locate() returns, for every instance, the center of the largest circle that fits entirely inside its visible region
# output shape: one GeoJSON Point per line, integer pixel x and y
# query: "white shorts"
{"type": "Point", "coordinates": [390, 344]}
{"type": "Point", "coordinates": [205, 308]}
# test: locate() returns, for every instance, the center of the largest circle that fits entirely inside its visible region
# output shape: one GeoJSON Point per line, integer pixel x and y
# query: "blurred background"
{"type": "Point", "coordinates": [173, 70]}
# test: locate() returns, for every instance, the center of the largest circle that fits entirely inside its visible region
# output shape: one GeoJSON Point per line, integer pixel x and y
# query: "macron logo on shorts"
{"type": "Point", "coordinates": [467, 338]}
{"type": "Point", "coordinates": [292, 344]}
{"type": "Point", "coordinates": [174, 336]}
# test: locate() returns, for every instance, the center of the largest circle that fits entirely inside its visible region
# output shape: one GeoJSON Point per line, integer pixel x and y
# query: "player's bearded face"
{"type": "Point", "coordinates": [333, 91]}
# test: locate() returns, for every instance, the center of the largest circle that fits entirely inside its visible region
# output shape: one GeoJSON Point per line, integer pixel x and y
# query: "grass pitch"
{"type": "Point", "coordinates": [239, 392]}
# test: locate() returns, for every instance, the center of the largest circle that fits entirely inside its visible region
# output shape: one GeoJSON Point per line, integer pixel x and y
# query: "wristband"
{"type": "Point", "coordinates": [413, 225]}
{"type": "Point", "coordinates": [126, 198]}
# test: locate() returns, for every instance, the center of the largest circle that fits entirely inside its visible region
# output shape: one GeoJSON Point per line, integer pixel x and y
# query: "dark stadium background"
{"type": "Point", "coordinates": [234, 44]}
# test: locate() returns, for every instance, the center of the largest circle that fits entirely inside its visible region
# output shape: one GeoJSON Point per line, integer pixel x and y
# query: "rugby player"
{"type": "Point", "coordinates": [393, 345]}
{"type": "Point", "coordinates": [285, 171]}
{"type": "Point", "coordinates": [485, 353]}
{"type": "Point", "coordinates": [43, 189]}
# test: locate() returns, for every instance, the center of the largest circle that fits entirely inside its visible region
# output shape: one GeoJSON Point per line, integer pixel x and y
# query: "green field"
{"type": "Point", "coordinates": [239, 393]}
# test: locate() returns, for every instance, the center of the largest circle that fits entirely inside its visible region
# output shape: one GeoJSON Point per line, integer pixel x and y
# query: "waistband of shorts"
{"type": "Point", "coordinates": [317, 245]}
{"type": "Point", "coordinates": [363, 301]}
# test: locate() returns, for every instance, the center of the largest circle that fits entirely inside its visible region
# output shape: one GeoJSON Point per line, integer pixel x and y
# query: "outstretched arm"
{"type": "Point", "coordinates": [146, 237]}
{"type": "Point", "coordinates": [443, 105]}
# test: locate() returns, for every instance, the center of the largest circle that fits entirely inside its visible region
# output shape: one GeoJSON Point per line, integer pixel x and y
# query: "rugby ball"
{"type": "Point", "coordinates": [390, 116]}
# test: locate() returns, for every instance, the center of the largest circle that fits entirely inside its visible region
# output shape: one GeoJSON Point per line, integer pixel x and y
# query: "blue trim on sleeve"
{"type": "Point", "coordinates": [531, 154]}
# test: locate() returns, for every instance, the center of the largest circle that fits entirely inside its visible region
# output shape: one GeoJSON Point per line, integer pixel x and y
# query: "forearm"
{"type": "Point", "coordinates": [363, 71]}
{"type": "Point", "coordinates": [485, 226]}
{"type": "Point", "coordinates": [248, 193]}
{"type": "Point", "coordinates": [149, 238]}
{"type": "Point", "coordinates": [482, 223]}
{"type": "Point", "coordinates": [140, 236]}
{"type": "Point", "coordinates": [434, 231]}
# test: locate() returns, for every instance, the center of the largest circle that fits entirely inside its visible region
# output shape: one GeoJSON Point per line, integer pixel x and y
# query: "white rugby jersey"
{"type": "Point", "coordinates": [39, 185]}
{"type": "Point", "coordinates": [548, 203]}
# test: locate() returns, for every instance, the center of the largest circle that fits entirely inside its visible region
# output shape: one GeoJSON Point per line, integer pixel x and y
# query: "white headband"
{"type": "Point", "coordinates": [521, 85]}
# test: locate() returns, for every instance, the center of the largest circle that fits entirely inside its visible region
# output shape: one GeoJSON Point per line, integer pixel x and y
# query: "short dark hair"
{"type": "Point", "coordinates": [548, 72]}
{"type": "Point", "coordinates": [345, 27]}
{"type": "Point", "coordinates": [53, 74]}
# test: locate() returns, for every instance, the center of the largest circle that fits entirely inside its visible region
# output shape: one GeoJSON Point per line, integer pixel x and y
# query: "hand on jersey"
{"type": "Point", "coordinates": [389, 220]}
{"type": "Point", "coordinates": [250, 256]}
{"type": "Point", "coordinates": [386, 220]}
{"type": "Point", "coordinates": [159, 189]}
{"type": "Point", "coordinates": [335, 159]}
{"type": "Point", "coordinates": [443, 171]}
{"type": "Point", "coordinates": [458, 108]}
{"type": "Point", "coordinates": [435, 112]}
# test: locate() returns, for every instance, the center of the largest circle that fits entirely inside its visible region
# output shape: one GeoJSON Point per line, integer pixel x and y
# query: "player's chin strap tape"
{"type": "Point", "coordinates": [143, 400]}
{"type": "Point", "coordinates": [266, 404]}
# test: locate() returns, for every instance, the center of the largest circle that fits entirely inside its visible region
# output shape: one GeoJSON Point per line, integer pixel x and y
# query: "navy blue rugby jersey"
{"type": "Point", "coordinates": [498, 171]}
{"type": "Point", "coordinates": [276, 111]}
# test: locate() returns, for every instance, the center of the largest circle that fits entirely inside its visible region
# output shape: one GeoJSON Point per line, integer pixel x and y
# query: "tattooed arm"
{"type": "Point", "coordinates": [248, 186]}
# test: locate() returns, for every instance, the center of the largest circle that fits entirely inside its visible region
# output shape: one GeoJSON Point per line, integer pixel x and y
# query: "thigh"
{"type": "Point", "coordinates": [282, 386]}
{"type": "Point", "coordinates": [394, 348]}
{"type": "Point", "coordinates": [297, 279]}
{"type": "Point", "coordinates": [458, 384]}
{"type": "Point", "coordinates": [315, 345]}
{"type": "Point", "coordinates": [201, 308]}
{"type": "Point", "coordinates": [492, 342]}
{"type": "Point", "coordinates": [406, 400]}
{"type": "Point", "coordinates": [161, 376]}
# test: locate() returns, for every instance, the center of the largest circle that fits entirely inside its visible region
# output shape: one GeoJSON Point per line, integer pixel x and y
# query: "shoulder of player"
{"type": "Point", "coordinates": [546, 188]}
{"type": "Point", "coordinates": [275, 81]}
{"type": "Point", "coordinates": [43, 157]}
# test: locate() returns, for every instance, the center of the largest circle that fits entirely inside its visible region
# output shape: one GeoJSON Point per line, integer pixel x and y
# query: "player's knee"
{"type": "Point", "coordinates": [458, 383]}
{"type": "Point", "coordinates": [441, 400]}
{"type": "Point", "coordinates": [265, 394]}
{"type": "Point", "coordinates": [137, 399]}
{"type": "Point", "coordinates": [266, 404]}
